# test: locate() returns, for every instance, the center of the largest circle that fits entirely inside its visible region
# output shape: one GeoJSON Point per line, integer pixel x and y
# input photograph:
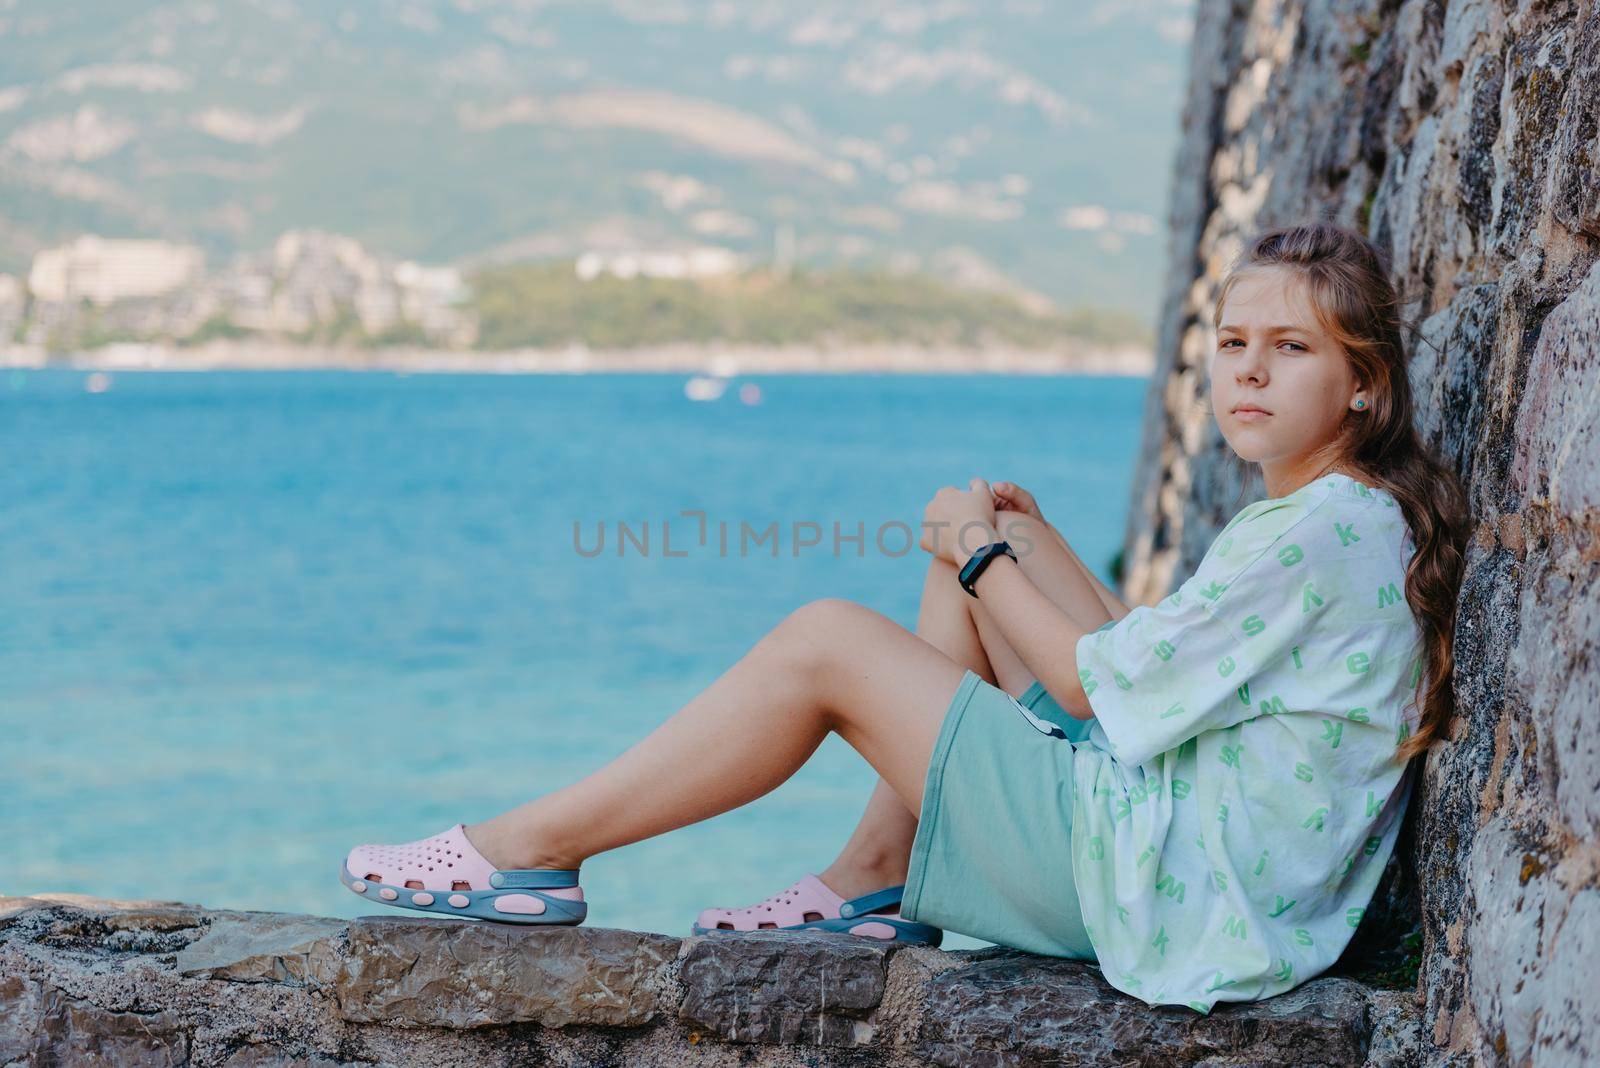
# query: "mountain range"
{"type": "Point", "coordinates": [1022, 145]}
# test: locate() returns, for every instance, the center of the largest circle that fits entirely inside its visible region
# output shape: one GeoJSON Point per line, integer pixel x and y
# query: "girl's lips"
{"type": "Point", "coordinates": [1251, 415]}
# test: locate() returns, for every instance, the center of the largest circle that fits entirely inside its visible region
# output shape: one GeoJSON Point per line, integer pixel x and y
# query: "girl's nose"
{"type": "Point", "coordinates": [1250, 364]}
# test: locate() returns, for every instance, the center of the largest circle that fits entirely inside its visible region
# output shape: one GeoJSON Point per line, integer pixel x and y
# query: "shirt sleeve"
{"type": "Point", "coordinates": [1166, 673]}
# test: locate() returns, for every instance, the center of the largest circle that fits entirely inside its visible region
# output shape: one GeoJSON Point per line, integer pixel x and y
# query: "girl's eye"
{"type": "Point", "coordinates": [1232, 340]}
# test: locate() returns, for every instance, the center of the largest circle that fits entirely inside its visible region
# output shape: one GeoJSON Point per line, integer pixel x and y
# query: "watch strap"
{"type": "Point", "coordinates": [979, 561]}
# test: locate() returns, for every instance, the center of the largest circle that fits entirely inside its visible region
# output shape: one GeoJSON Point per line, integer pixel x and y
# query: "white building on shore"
{"type": "Point", "coordinates": [706, 261]}
{"type": "Point", "coordinates": [105, 270]}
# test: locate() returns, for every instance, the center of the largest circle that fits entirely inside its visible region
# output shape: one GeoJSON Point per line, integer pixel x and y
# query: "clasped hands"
{"type": "Point", "coordinates": [957, 523]}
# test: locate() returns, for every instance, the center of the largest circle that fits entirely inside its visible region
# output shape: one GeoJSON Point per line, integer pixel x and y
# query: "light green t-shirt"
{"type": "Point", "coordinates": [1236, 800]}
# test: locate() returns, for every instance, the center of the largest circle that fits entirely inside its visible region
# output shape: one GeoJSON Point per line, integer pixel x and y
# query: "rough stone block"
{"type": "Point", "coordinates": [457, 973]}
{"type": "Point", "coordinates": [39, 1024]}
{"type": "Point", "coordinates": [258, 947]}
{"type": "Point", "coordinates": [784, 988]}
{"type": "Point", "coordinates": [1015, 1008]}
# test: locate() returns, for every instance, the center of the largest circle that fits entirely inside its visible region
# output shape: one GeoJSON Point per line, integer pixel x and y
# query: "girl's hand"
{"type": "Point", "coordinates": [950, 520]}
{"type": "Point", "coordinates": [1010, 496]}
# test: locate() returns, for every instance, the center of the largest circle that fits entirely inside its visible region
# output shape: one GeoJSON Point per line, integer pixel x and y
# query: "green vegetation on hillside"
{"type": "Point", "coordinates": [544, 305]}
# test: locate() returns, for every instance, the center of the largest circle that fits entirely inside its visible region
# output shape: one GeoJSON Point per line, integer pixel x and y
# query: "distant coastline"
{"type": "Point", "coordinates": [677, 358]}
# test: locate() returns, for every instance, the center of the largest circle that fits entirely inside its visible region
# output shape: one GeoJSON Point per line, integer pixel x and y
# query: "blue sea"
{"type": "Point", "coordinates": [249, 620]}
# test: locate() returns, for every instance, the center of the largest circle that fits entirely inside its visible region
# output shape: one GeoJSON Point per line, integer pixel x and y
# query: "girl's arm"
{"type": "Point", "coordinates": [1011, 500]}
{"type": "Point", "coordinates": [1044, 635]}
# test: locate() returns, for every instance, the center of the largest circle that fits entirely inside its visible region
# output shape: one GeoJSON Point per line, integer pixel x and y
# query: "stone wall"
{"type": "Point", "coordinates": [159, 983]}
{"type": "Point", "coordinates": [1464, 137]}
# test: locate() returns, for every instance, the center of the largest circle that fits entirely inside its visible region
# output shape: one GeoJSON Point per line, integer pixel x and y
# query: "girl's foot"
{"type": "Point", "coordinates": [446, 875]}
{"type": "Point", "coordinates": [812, 905]}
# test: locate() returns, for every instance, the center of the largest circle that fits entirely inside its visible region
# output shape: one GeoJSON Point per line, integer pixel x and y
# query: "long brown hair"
{"type": "Point", "coordinates": [1346, 279]}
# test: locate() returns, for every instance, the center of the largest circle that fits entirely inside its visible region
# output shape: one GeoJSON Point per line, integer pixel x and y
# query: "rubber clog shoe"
{"type": "Point", "coordinates": [812, 905]}
{"type": "Point", "coordinates": [446, 875]}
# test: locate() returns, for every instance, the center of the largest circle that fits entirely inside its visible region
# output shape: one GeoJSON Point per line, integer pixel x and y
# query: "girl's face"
{"type": "Point", "coordinates": [1271, 355]}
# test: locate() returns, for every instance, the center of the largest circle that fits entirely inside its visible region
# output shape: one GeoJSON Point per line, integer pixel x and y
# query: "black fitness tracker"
{"type": "Point", "coordinates": [980, 560]}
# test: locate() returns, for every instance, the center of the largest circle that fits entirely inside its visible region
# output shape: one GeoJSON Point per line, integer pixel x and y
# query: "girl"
{"type": "Point", "coordinates": [1201, 798]}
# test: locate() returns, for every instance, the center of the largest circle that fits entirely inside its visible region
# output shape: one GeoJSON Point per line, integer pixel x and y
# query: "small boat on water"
{"type": "Point", "coordinates": [704, 388]}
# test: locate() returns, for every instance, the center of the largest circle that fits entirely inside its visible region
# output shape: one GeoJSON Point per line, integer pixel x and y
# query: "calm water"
{"type": "Point", "coordinates": [251, 620]}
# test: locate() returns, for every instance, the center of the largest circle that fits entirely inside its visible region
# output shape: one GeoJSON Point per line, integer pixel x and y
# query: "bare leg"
{"type": "Point", "coordinates": [878, 853]}
{"type": "Point", "coordinates": [830, 665]}
{"type": "Point", "coordinates": [1108, 599]}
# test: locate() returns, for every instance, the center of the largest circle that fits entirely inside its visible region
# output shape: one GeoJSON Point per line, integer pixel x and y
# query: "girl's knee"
{"type": "Point", "coordinates": [824, 617]}
{"type": "Point", "coordinates": [821, 635]}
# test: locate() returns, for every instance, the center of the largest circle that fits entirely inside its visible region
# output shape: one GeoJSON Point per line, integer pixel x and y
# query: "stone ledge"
{"type": "Point", "coordinates": [157, 983]}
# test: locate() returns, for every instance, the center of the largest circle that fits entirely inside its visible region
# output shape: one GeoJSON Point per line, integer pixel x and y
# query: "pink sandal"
{"type": "Point", "coordinates": [811, 904]}
{"type": "Point", "coordinates": [446, 875]}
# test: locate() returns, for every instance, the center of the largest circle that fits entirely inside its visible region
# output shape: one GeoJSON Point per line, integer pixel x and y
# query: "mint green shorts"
{"type": "Point", "coordinates": [992, 857]}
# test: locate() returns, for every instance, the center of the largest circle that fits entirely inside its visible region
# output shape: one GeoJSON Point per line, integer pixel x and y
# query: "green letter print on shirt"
{"type": "Point", "coordinates": [1276, 638]}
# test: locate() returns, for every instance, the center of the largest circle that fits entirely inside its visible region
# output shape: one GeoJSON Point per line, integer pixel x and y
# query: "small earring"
{"type": "Point", "coordinates": [1360, 404]}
